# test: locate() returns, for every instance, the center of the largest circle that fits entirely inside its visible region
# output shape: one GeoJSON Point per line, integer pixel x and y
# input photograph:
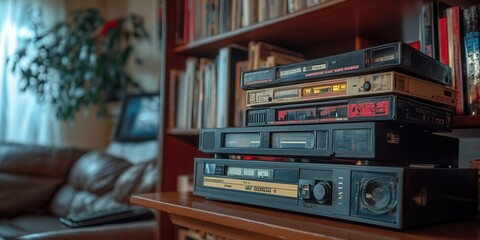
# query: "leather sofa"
{"type": "Point", "coordinates": [40, 184]}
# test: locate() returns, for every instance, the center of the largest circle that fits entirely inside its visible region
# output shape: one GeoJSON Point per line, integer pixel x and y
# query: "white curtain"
{"type": "Point", "coordinates": [22, 118]}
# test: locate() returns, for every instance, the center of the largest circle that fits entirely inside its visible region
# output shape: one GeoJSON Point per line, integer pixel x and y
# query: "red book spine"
{"type": "Point", "coordinates": [443, 40]}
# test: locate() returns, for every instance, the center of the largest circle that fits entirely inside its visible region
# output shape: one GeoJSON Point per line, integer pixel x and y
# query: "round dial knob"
{"type": "Point", "coordinates": [367, 86]}
{"type": "Point", "coordinates": [322, 192]}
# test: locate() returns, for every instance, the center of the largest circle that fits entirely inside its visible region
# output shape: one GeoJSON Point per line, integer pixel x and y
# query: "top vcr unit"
{"type": "Point", "coordinates": [394, 56]}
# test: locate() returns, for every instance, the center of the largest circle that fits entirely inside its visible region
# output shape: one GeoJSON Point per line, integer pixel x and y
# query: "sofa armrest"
{"type": "Point", "coordinates": [136, 230]}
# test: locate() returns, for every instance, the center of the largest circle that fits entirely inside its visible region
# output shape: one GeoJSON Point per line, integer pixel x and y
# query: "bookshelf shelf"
{"type": "Point", "coordinates": [466, 122]}
{"type": "Point", "coordinates": [187, 135]}
{"type": "Point", "coordinates": [304, 30]}
{"type": "Point", "coordinates": [183, 132]}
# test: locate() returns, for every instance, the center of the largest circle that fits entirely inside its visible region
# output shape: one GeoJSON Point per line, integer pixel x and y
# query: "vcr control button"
{"type": "Point", "coordinates": [322, 192]}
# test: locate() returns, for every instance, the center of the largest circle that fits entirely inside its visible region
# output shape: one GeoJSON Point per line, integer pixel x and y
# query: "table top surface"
{"type": "Point", "coordinates": [287, 224]}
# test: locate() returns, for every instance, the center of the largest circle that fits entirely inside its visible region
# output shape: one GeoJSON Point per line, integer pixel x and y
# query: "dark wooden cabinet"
{"type": "Point", "coordinates": [235, 221]}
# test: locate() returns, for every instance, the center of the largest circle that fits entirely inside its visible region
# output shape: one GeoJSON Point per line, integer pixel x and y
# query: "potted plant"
{"type": "Point", "coordinates": [77, 65]}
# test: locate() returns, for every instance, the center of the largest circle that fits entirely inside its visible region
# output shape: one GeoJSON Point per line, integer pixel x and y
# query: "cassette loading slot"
{"type": "Point", "coordinates": [293, 140]}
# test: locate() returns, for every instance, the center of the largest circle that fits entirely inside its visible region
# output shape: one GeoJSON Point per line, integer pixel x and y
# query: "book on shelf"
{"type": "Point", "coordinates": [179, 30]}
{"type": "Point", "coordinates": [262, 10]}
{"type": "Point", "coordinates": [196, 25]}
{"type": "Point", "coordinates": [249, 12]}
{"type": "Point", "coordinates": [188, 21]}
{"type": "Point", "coordinates": [430, 14]}
{"type": "Point", "coordinates": [236, 12]}
{"type": "Point", "coordinates": [471, 24]}
{"type": "Point", "coordinates": [225, 16]}
{"type": "Point", "coordinates": [209, 116]}
{"type": "Point", "coordinates": [197, 19]}
{"type": "Point", "coordinates": [456, 55]}
{"type": "Point", "coordinates": [270, 9]}
{"type": "Point", "coordinates": [201, 91]}
{"type": "Point", "coordinates": [296, 5]}
{"type": "Point", "coordinates": [208, 93]}
{"type": "Point", "coordinates": [259, 53]}
{"type": "Point", "coordinates": [312, 3]}
{"type": "Point", "coordinates": [174, 79]}
{"type": "Point", "coordinates": [239, 103]}
{"type": "Point", "coordinates": [443, 36]}
{"type": "Point", "coordinates": [227, 58]}
{"type": "Point", "coordinates": [443, 40]}
{"type": "Point", "coordinates": [184, 96]}
{"type": "Point", "coordinates": [181, 100]}
{"type": "Point", "coordinates": [192, 100]}
{"type": "Point", "coordinates": [191, 94]}
{"type": "Point", "coordinates": [209, 18]}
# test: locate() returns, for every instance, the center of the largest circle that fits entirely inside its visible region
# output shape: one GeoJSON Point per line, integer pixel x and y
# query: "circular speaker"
{"type": "Point", "coordinates": [379, 196]}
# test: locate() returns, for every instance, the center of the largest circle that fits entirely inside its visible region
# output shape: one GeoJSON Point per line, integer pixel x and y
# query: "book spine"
{"type": "Point", "coordinates": [223, 88]}
{"type": "Point", "coordinates": [472, 54]}
{"type": "Point", "coordinates": [443, 40]}
{"type": "Point", "coordinates": [456, 43]}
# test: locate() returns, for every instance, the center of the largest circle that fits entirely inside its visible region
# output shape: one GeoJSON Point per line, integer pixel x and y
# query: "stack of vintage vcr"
{"type": "Point", "coordinates": [352, 138]}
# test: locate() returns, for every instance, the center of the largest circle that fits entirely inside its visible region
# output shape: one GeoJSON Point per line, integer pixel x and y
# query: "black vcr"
{"type": "Point", "coordinates": [395, 197]}
{"type": "Point", "coordinates": [394, 56]}
{"type": "Point", "coordinates": [375, 142]}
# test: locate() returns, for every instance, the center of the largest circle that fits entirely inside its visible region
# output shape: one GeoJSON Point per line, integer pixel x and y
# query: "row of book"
{"type": "Point", "coordinates": [451, 34]}
{"type": "Point", "coordinates": [197, 19]}
{"type": "Point", "coordinates": [207, 93]}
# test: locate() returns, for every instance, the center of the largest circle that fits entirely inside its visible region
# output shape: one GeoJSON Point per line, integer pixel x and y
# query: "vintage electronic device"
{"type": "Point", "coordinates": [397, 109]}
{"type": "Point", "coordinates": [354, 86]}
{"type": "Point", "coordinates": [394, 56]}
{"type": "Point", "coordinates": [394, 197]}
{"type": "Point", "coordinates": [373, 141]}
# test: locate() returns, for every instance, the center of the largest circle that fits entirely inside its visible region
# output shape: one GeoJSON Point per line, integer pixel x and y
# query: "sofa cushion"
{"type": "Point", "coordinates": [139, 178]}
{"type": "Point", "coordinates": [71, 201]}
{"type": "Point", "coordinates": [90, 183]}
{"type": "Point", "coordinates": [97, 172]}
{"type": "Point", "coordinates": [60, 204]}
{"type": "Point", "coordinates": [134, 152]}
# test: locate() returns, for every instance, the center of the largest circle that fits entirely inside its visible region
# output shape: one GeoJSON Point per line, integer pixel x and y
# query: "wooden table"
{"type": "Point", "coordinates": [238, 221]}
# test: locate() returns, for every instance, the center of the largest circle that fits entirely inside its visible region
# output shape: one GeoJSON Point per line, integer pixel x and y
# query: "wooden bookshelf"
{"type": "Point", "coordinates": [335, 27]}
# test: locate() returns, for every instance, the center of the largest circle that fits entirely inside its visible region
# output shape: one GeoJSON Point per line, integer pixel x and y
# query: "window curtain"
{"type": "Point", "coordinates": [23, 119]}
